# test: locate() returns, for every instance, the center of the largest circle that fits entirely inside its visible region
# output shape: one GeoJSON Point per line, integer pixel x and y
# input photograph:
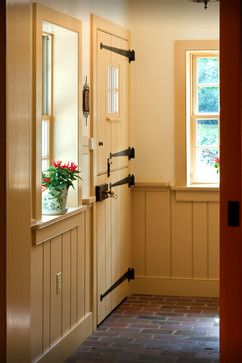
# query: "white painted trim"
{"type": "Point", "coordinates": [175, 286]}
{"type": "Point", "coordinates": [67, 344]}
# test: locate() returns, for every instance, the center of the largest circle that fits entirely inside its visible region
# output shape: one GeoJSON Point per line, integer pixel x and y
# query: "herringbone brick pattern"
{"type": "Point", "coordinates": [155, 329]}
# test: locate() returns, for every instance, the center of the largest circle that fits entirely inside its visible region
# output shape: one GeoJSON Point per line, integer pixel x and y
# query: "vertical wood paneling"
{"type": "Point", "coordinates": [127, 226]}
{"type": "Point", "coordinates": [114, 125]}
{"type": "Point", "coordinates": [213, 244]}
{"type": "Point", "coordinates": [114, 237]}
{"type": "Point", "coordinates": [158, 234]}
{"type": "Point", "coordinates": [124, 263]}
{"type": "Point", "coordinates": [54, 315]}
{"type": "Point", "coordinates": [73, 276]}
{"type": "Point", "coordinates": [66, 289]}
{"type": "Point", "coordinates": [36, 296]}
{"type": "Point", "coordinates": [55, 306]}
{"type": "Point", "coordinates": [200, 240]}
{"type": "Point", "coordinates": [88, 262]}
{"type": "Point", "coordinates": [101, 268]}
{"type": "Point", "coordinates": [138, 232]}
{"type": "Point", "coordinates": [101, 125]}
{"type": "Point", "coordinates": [181, 239]}
{"type": "Point", "coordinates": [80, 269]}
{"type": "Point", "coordinates": [119, 259]}
{"type": "Point", "coordinates": [46, 294]}
{"type": "Point", "coordinates": [108, 255]}
{"type": "Point", "coordinates": [177, 236]}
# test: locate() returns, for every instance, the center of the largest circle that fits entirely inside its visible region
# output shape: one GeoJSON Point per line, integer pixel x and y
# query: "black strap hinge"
{"type": "Point", "coordinates": [129, 275]}
{"type": "Point", "coordinates": [130, 180]}
{"type": "Point", "coordinates": [130, 152]}
{"type": "Point", "coordinates": [130, 54]}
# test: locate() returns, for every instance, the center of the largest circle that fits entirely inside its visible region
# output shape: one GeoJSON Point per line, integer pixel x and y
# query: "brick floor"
{"type": "Point", "coordinates": [155, 329]}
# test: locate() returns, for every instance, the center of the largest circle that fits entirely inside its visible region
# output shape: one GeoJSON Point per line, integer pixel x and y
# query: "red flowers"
{"type": "Point", "coordinates": [70, 166]}
{"type": "Point", "coordinates": [46, 180]}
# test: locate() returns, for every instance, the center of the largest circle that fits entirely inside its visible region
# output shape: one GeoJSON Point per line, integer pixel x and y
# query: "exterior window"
{"type": "Point", "coordinates": [202, 116]}
{"type": "Point", "coordinates": [113, 89]}
{"type": "Point", "coordinates": [47, 89]}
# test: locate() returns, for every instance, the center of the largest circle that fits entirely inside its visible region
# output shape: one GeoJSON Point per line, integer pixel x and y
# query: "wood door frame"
{"type": "Point", "coordinates": [230, 240]}
{"type": "Point", "coordinates": [3, 182]}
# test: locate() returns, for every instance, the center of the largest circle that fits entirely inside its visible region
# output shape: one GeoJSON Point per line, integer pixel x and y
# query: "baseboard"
{"type": "Point", "coordinates": [175, 286]}
{"type": "Point", "coordinates": [67, 344]}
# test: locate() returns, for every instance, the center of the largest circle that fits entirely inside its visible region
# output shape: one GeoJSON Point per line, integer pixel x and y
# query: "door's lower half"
{"type": "Point", "coordinates": [113, 244]}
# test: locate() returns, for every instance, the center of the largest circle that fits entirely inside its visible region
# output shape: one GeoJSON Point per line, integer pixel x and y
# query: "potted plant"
{"type": "Point", "coordinates": [56, 181]}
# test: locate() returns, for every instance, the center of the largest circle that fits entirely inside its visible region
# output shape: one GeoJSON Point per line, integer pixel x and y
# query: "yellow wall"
{"type": "Point", "coordinates": [177, 249]}
{"type": "Point", "coordinates": [155, 25]}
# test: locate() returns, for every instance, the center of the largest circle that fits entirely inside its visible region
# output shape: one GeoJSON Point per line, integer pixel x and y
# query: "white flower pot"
{"type": "Point", "coordinates": [54, 201]}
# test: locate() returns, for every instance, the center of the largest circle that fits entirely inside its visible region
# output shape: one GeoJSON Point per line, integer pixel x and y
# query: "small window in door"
{"type": "Point", "coordinates": [113, 90]}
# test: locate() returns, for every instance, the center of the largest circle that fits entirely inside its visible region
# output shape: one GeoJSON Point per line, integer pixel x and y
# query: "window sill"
{"type": "Point", "coordinates": [46, 220]}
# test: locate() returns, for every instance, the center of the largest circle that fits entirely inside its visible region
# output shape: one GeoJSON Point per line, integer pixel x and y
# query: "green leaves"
{"type": "Point", "coordinates": [59, 176]}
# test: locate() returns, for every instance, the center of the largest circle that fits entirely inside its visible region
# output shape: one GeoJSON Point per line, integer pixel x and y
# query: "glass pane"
{"type": "Point", "coordinates": [206, 156]}
{"type": "Point", "coordinates": [45, 131]}
{"type": "Point", "coordinates": [109, 76]}
{"type": "Point", "coordinates": [44, 164]}
{"type": "Point", "coordinates": [208, 99]}
{"type": "Point", "coordinates": [109, 101]}
{"type": "Point", "coordinates": [208, 70]}
{"type": "Point", "coordinates": [205, 159]}
{"type": "Point", "coordinates": [115, 102]}
{"type": "Point", "coordinates": [207, 133]}
{"type": "Point", "coordinates": [46, 69]}
{"type": "Point", "coordinates": [115, 77]}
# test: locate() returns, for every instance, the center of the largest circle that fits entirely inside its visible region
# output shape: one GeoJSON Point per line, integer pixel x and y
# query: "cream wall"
{"type": "Point", "coordinates": [113, 10]}
{"type": "Point", "coordinates": [155, 26]}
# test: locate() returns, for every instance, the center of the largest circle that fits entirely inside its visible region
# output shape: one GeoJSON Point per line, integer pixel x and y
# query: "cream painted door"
{"type": "Point", "coordinates": [112, 135]}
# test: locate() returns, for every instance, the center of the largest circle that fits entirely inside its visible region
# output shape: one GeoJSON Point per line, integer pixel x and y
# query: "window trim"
{"type": "Point", "coordinates": [193, 115]}
{"type": "Point", "coordinates": [182, 102]}
{"type": "Point", "coordinates": [44, 14]}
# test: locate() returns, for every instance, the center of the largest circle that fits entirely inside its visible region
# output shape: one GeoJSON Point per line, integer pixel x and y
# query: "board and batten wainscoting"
{"type": "Point", "coordinates": [61, 314]}
{"type": "Point", "coordinates": [175, 240]}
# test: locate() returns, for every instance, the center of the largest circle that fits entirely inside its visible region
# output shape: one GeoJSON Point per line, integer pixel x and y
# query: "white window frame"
{"type": "Point", "coordinates": [193, 115]}
{"type": "Point", "coordinates": [182, 147]}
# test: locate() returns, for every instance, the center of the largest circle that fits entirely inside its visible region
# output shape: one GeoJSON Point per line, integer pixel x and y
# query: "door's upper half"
{"type": "Point", "coordinates": [113, 102]}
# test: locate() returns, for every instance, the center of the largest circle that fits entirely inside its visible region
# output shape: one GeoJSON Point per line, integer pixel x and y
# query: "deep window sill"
{"type": "Point", "coordinates": [46, 220]}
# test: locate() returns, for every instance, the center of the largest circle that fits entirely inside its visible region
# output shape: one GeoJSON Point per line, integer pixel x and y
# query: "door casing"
{"type": "Point", "coordinates": [230, 189]}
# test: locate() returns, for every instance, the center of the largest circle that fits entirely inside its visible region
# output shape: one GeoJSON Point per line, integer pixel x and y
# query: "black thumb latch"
{"type": "Point", "coordinates": [233, 213]}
